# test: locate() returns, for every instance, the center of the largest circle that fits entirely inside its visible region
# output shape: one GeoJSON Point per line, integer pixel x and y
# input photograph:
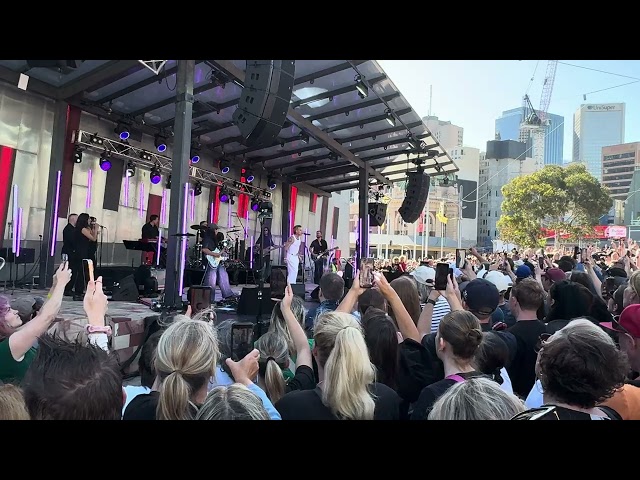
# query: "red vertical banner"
{"type": "Point", "coordinates": [216, 205]}
{"type": "Point", "coordinates": [154, 205]}
{"type": "Point", "coordinates": [313, 202]}
{"type": "Point", "coordinates": [7, 162]}
{"type": "Point", "coordinates": [292, 205]}
{"type": "Point", "coordinates": [243, 205]}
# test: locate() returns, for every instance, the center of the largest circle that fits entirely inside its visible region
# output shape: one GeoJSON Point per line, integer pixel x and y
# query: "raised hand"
{"type": "Point", "coordinates": [95, 303]}
{"type": "Point", "coordinates": [246, 369]}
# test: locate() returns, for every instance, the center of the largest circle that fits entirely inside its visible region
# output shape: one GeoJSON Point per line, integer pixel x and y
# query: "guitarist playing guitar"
{"type": "Point", "coordinates": [318, 247]}
{"type": "Point", "coordinates": [265, 256]}
{"type": "Point", "coordinates": [215, 275]}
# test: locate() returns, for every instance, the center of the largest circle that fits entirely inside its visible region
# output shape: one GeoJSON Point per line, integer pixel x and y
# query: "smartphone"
{"type": "Point", "coordinates": [576, 252]}
{"type": "Point", "coordinates": [366, 272]}
{"type": "Point", "coordinates": [461, 258]}
{"type": "Point", "coordinates": [88, 268]}
{"type": "Point", "coordinates": [199, 298]}
{"type": "Point", "coordinates": [583, 255]}
{"type": "Point", "coordinates": [442, 272]}
{"type": "Point", "coordinates": [541, 262]}
{"type": "Point", "coordinates": [241, 340]}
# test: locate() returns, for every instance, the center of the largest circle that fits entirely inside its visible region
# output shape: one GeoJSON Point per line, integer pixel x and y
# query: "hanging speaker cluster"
{"type": "Point", "coordinates": [377, 214]}
{"type": "Point", "coordinates": [415, 197]}
{"type": "Point", "coordinates": [264, 100]}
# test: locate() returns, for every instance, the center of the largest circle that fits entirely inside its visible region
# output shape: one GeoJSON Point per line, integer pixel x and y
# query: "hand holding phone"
{"type": "Point", "coordinates": [442, 273]}
{"type": "Point", "coordinates": [366, 272]}
{"type": "Point", "coordinates": [241, 340]}
{"type": "Point", "coordinates": [88, 265]}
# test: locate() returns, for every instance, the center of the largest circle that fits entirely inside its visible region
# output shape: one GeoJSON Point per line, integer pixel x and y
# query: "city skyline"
{"type": "Point", "coordinates": [473, 94]}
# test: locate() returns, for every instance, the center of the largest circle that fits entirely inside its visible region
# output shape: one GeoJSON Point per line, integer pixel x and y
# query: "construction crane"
{"type": "Point", "coordinates": [535, 122]}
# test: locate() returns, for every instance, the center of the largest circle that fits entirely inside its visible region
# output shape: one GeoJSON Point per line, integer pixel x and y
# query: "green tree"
{"type": "Point", "coordinates": [568, 200]}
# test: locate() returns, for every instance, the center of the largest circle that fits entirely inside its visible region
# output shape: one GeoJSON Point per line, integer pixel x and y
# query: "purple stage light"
{"type": "Point", "coordinates": [211, 213]}
{"type": "Point", "coordinates": [229, 221]}
{"type": "Point", "coordinates": [192, 206]}
{"type": "Point", "coordinates": [141, 201]}
{"type": "Point", "coordinates": [125, 191]}
{"type": "Point", "coordinates": [159, 247]}
{"type": "Point", "coordinates": [246, 230]}
{"type": "Point", "coordinates": [195, 158]}
{"type": "Point", "coordinates": [183, 240]}
{"type": "Point", "coordinates": [255, 206]}
{"type": "Point", "coordinates": [251, 256]}
{"type": "Point", "coordinates": [161, 147]}
{"type": "Point", "coordinates": [89, 183]}
{"type": "Point", "coordinates": [156, 178]}
{"type": "Point", "coordinates": [105, 164]}
{"type": "Point", "coordinates": [54, 226]}
{"type": "Point", "coordinates": [14, 219]}
{"type": "Point", "coordinates": [224, 197]}
{"type": "Point", "coordinates": [225, 170]}
{"type": "Point", "coordinates": [18, 232]}
{"type": "Point", "coordinates": [163, 208]}
{"type": "Point", "coordinates": [124, 135]}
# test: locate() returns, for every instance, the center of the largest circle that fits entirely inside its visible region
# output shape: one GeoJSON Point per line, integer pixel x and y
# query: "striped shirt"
{"type": "Point", "coordinates": [440, 309]}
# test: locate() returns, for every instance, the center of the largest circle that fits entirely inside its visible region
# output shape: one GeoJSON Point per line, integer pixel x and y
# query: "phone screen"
{"type": "Point", "coordinates": [242, 340]}
{"type": "Point", "coordinates": [442, 272]}
{"type": "Point", "coordinates": [199, 298]}
{"type": "Point", "coordinates": [576, 252]}
{"type": "Point", "coordinates": [541, 262]}
{"type": "Point", "coordinates": [583, 255]}
{"type": "Point", "coordinates": [88, 268]}
{"type": "Point", "coordinates": [461, 256]}
{"type": "Point", "coordinates": [366, 272]}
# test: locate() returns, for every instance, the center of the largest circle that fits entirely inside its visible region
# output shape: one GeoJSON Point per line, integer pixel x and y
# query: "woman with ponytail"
{"type": "Point", "coordinates": [457, 341]}
{"type": "Point", "coordinates": [347, 388]}
{"type": "Point", "coordinates": [274, 355]}
{"type": "Point", "coordinates": [492, 357]}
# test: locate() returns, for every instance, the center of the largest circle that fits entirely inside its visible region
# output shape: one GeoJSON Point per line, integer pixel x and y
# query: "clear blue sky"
{"type": "Point", "coordinates": [473, 93]}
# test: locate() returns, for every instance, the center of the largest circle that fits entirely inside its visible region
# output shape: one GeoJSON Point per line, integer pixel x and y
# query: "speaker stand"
{"type": "Point", "coordinates": [259, 323]}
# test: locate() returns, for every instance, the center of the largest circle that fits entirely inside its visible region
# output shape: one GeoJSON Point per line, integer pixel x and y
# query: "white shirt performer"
{"type": "Point", "coordinates": [292, 252]}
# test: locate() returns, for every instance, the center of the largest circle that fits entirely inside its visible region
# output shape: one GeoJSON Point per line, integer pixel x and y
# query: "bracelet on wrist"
{"type": "Point", "coordinates": [98, 329]}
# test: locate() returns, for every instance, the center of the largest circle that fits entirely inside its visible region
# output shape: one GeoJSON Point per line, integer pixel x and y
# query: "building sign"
{"type": "Point", "coordinates": [599, 231]}
{"type": "Point", "coordinates": [604, 108]}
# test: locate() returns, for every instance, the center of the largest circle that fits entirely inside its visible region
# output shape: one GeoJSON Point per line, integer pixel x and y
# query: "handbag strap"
{"type": "Point", "coordinates": [456, 378]}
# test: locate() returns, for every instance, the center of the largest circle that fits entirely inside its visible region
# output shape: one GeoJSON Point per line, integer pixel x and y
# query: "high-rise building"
{"type": "Point", "coordinates": [618, 165]}
{"type": "Point", "coordinates": [447, 134]}
{"type": "Point", "coordinates": [468, 161]}
{"type": "Point", "coordinates": [508, 128]}
{"type": "Point", "coordinates": [504, 161]}
{"type": "Point", "coordinates": [596, 126]}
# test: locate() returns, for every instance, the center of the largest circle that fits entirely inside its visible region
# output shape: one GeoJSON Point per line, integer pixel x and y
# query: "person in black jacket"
{"type": "Point", "coordinates": [68, 246]}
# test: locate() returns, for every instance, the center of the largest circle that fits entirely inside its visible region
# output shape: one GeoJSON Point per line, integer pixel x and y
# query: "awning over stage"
{"type": "Point", "coordinates": [328, 96]}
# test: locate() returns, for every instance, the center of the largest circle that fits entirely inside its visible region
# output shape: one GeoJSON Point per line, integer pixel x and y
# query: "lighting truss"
{"type": "Point", "coordinates": [164, 163]}
{"type": "Point", "coordinates": [154, 65]}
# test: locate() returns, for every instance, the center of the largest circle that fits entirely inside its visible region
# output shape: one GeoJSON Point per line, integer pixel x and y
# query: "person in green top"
{"type": "Point", "coordinates": [16, 340]}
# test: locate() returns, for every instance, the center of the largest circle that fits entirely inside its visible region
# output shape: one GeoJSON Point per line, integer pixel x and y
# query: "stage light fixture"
{"type": "Point", "coordinates": [224, 195]}
{"type": "Point", "coordinates": [247, 174]}
{"type": "Point", "coordinates": [105, 162]}
{"type": "Point", "coordinates": [304, 137]}
{"type": "Point", "coordinates": [95, 139]}
{"type": "Point", "coordinates": [122, 130]}
{"type": "Point", "coordinates": [130, 171]}
{"type": "Point", "coordinates": [197, 189]}
{"type": "Point", "coordinates": [144, 155]}
{"type": "Point", "coordinates": [156, 175]}
{"type": "Point", "coordinates": [255, 204]}
{"type": "Point", "coordinates": [167, 183]}
{"type": "Point", "coordinates": [195, 153]}
{"type": "Point", "coordinates": [77, 154]}
{"type": "Point", "coordinates": [361, 87]}
{"type": "Point", "coordinates": [271, 183]}
{"type": "Point", "coordinates": [224, 167]}
{"type": "Point", "coordinates": [390, 118]}
{"type": "Point", "coordinates": [160, 142]}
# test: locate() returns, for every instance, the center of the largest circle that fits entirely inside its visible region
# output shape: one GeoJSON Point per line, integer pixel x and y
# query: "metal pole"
{"type": "Point", "coordinates": [179, 176]}
{"type": "Point", "coordinates": [51, 215]}
{"type": "Point", "coordinates": [363, 210]}
{"type": "Point", "coordinates": [379, 247]}
{"type": "Point", "coordinates": [415, 239]}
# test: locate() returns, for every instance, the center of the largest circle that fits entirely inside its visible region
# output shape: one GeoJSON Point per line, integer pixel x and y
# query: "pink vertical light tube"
{"type": "Point", "coordinates": [192, 207]}
{"type": "Point", "coordinates": [183, 240]}
{"type": "Point", "coordinates": [89, 184]}
{"type": "Point", "coordinates": [126, 191]}
{"type": "Point", "coordinates": [141, 201]}
{"type": "Point", "coordinates": [54, 226]}
{"type": "Point", "coordinates": [251, 255]}
{"type": "Point", "coordinates": [246, 229]}
{"type": "Point", "coordinates": [159, 247]}
{"type": "Point", "coordinates": [290, 223]}
{"type": "Point", "coordinates": [211, 213]}
{"type": "Point", "coordinates": [18, 233]}
{"type": "Point", "coordinates": [14, 219]}
{"type": "Point", "coordinates": [229, 208]}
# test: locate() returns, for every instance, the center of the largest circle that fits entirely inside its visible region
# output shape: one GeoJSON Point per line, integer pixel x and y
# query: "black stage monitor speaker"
{"type": "Point", "coordinates": [377, 214]}
{"type": "Point", "coordinates": [299, 290]}
{"type": "Point", "coordinates": [126, 290]}
{"type": "Point", "coordinates": [264, 100]}
{"type": "Point", "coordinates": [415, 196]}
{"type": "Point", "coordinates": [248, 303]}
{"type": "Point", "coordinates": [278, 280]}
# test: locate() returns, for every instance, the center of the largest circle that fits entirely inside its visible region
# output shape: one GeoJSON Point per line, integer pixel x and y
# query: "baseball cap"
{"type": "Point", "coordinates": [629, 321]}
{"type": "Point", "coordinates": [24, 306]}
{"type": "Point", "coordinates": [481, 296]}
{"type": "Point", "coordinates": [424, 275]}
{"type": "Point", "coordinates": [523, 271]}
{"type": "Point", "coordinates": [555, 275]}
{"type": "Point", "coordinates": [501, 281]}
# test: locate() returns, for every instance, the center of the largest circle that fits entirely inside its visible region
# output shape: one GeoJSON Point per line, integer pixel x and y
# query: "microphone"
{"type": "Point", "coordinates": [306, 234]}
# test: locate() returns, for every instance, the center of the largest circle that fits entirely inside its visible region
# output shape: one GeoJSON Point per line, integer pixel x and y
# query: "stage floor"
{"type": "Point", "coordinates": [72, 310]}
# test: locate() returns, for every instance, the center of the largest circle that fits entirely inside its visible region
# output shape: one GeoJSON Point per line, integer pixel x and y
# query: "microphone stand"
{"type": "Point", "coordinates": [304, 258]}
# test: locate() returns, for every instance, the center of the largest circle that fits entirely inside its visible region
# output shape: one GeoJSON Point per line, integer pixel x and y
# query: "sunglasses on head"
{"type": "Point", "coordinates": [535, 413]}
{"type": "Point", "coordinates": [542, 339]}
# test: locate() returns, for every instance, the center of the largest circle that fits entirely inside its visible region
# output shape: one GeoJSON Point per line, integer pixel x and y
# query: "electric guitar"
{"type": "Point", "coordinates": [267, 250]}
{"type": "Point", "coordinates": [315, 257]}
{"type": "Point", "coordinates": [215, 261]}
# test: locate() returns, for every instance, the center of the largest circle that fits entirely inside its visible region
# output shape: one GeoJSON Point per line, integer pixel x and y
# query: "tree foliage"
{"type": "Point", "coordinates": [568, 200]}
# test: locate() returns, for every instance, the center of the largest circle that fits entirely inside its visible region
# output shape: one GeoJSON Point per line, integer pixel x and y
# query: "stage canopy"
{"type": "Point", "coordinates": [344, 115]}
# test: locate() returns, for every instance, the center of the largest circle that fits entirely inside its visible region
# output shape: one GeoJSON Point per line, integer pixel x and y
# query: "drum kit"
{"type": "Point", "coordinates": [225, 244]}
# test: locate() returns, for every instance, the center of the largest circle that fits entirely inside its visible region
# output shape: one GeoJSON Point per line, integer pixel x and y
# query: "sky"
{"type": "Point", "coordinates": [474, 93]}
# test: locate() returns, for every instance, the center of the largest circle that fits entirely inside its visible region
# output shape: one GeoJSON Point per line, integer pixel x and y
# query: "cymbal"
{"type": "Point", "coordinates": [197, 227]}
{"type": "Point", "coordinates": [183, 235]}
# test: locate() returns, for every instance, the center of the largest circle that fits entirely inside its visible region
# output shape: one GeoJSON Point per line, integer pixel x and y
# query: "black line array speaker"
{"type": "Point", "coordinates": [264, 100]}
{"type": "Point", "coordinates": [126, 290]}
{"type": "Point", "coordinates": [415, 196]}
{"type": "Point", "coordinates": [248, 303]}
{"type": "Point", "coordinates": [377, 214]}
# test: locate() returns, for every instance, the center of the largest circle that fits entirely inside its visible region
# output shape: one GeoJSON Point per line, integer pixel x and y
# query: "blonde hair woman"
{"type": "Point", "coordinates": [12, 406]}
{"type": "Point", "coordinates": [233, 402]}
{"type": "Point", "coordinates": [476, 399]}
{"type": "Point", "coordinates": [347, 388]}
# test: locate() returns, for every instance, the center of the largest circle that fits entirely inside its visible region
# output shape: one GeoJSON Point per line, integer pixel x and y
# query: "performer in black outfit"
{"type": "Point", "coordinates": [93, 246]}
{"type": "Point", "coordinates": [68, 248]}
{"type": "Point", "coordinates": [264, 261]}
{"type": "Point", "coordinates": [317, 247]}
{"type": "Point", "coordinates": [218, 275]}
{"type": "Point", "coordinates": [151, 230]}
{"type": "Point", "coordinates": [82, 238]}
